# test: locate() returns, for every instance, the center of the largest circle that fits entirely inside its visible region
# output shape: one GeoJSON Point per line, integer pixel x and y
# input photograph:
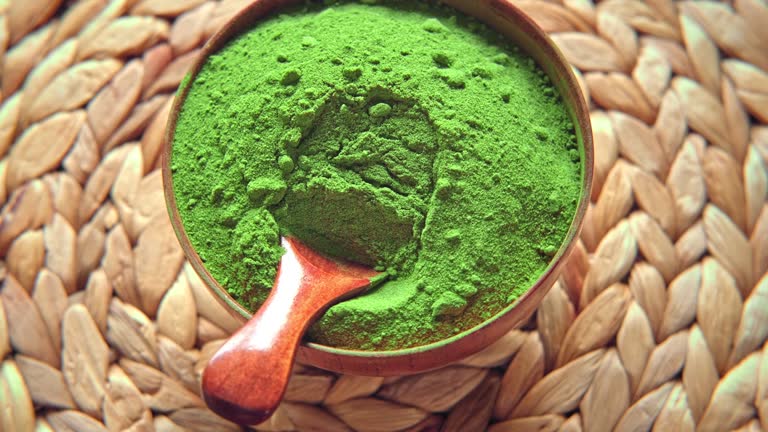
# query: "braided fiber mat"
{"type": "Point", "coordinates": [658, 323]}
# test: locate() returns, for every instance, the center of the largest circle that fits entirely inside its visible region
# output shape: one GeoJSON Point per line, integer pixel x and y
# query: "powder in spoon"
{"type": "Point", "coordinates": [396, 134]}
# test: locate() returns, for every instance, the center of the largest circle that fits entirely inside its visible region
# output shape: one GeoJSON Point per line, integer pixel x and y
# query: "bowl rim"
{"type": "Point", "coordinates": [523, 31]}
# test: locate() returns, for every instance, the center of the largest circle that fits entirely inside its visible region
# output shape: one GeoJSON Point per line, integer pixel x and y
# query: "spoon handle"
{"type": "Point", "coordinates": [245, 380]}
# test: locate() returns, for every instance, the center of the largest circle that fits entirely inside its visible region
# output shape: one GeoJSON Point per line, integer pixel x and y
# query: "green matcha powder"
{"type": "Point", "coordinates": [394, 134]}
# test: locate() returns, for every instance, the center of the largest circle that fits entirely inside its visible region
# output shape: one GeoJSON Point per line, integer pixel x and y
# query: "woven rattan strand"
{"type": "Point", "coordinates": [659, 321]}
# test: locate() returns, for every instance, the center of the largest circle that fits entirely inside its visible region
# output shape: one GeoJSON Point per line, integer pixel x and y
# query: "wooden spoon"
{"type": "Point", "coordinates": [245, 380]}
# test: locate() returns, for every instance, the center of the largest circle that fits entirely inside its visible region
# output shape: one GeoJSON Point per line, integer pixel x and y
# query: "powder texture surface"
{"type": "Point", "coordinates": [396, 134]}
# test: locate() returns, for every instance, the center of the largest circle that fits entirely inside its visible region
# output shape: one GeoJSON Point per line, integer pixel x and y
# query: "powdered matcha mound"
{"type": "Point", "coordinates": [396, 134]}
{"type": "Point", "coordinates": [363, 179]}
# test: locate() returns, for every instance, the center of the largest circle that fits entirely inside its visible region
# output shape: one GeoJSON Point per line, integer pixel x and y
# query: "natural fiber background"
{"type": "Point", "coordinates": [659, 322]}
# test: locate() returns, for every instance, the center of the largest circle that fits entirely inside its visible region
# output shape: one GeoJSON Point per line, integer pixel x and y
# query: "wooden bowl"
{"type": "Point", "coordinates": [520, 29]}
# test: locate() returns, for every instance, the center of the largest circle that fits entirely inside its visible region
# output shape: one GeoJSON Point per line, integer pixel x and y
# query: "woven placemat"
{"type": "Point", "coordinates": [658, 323]}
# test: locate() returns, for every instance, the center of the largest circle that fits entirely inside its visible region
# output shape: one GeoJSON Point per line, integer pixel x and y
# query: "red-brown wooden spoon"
{"type": "Point", "coordinates": [246, 379]}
